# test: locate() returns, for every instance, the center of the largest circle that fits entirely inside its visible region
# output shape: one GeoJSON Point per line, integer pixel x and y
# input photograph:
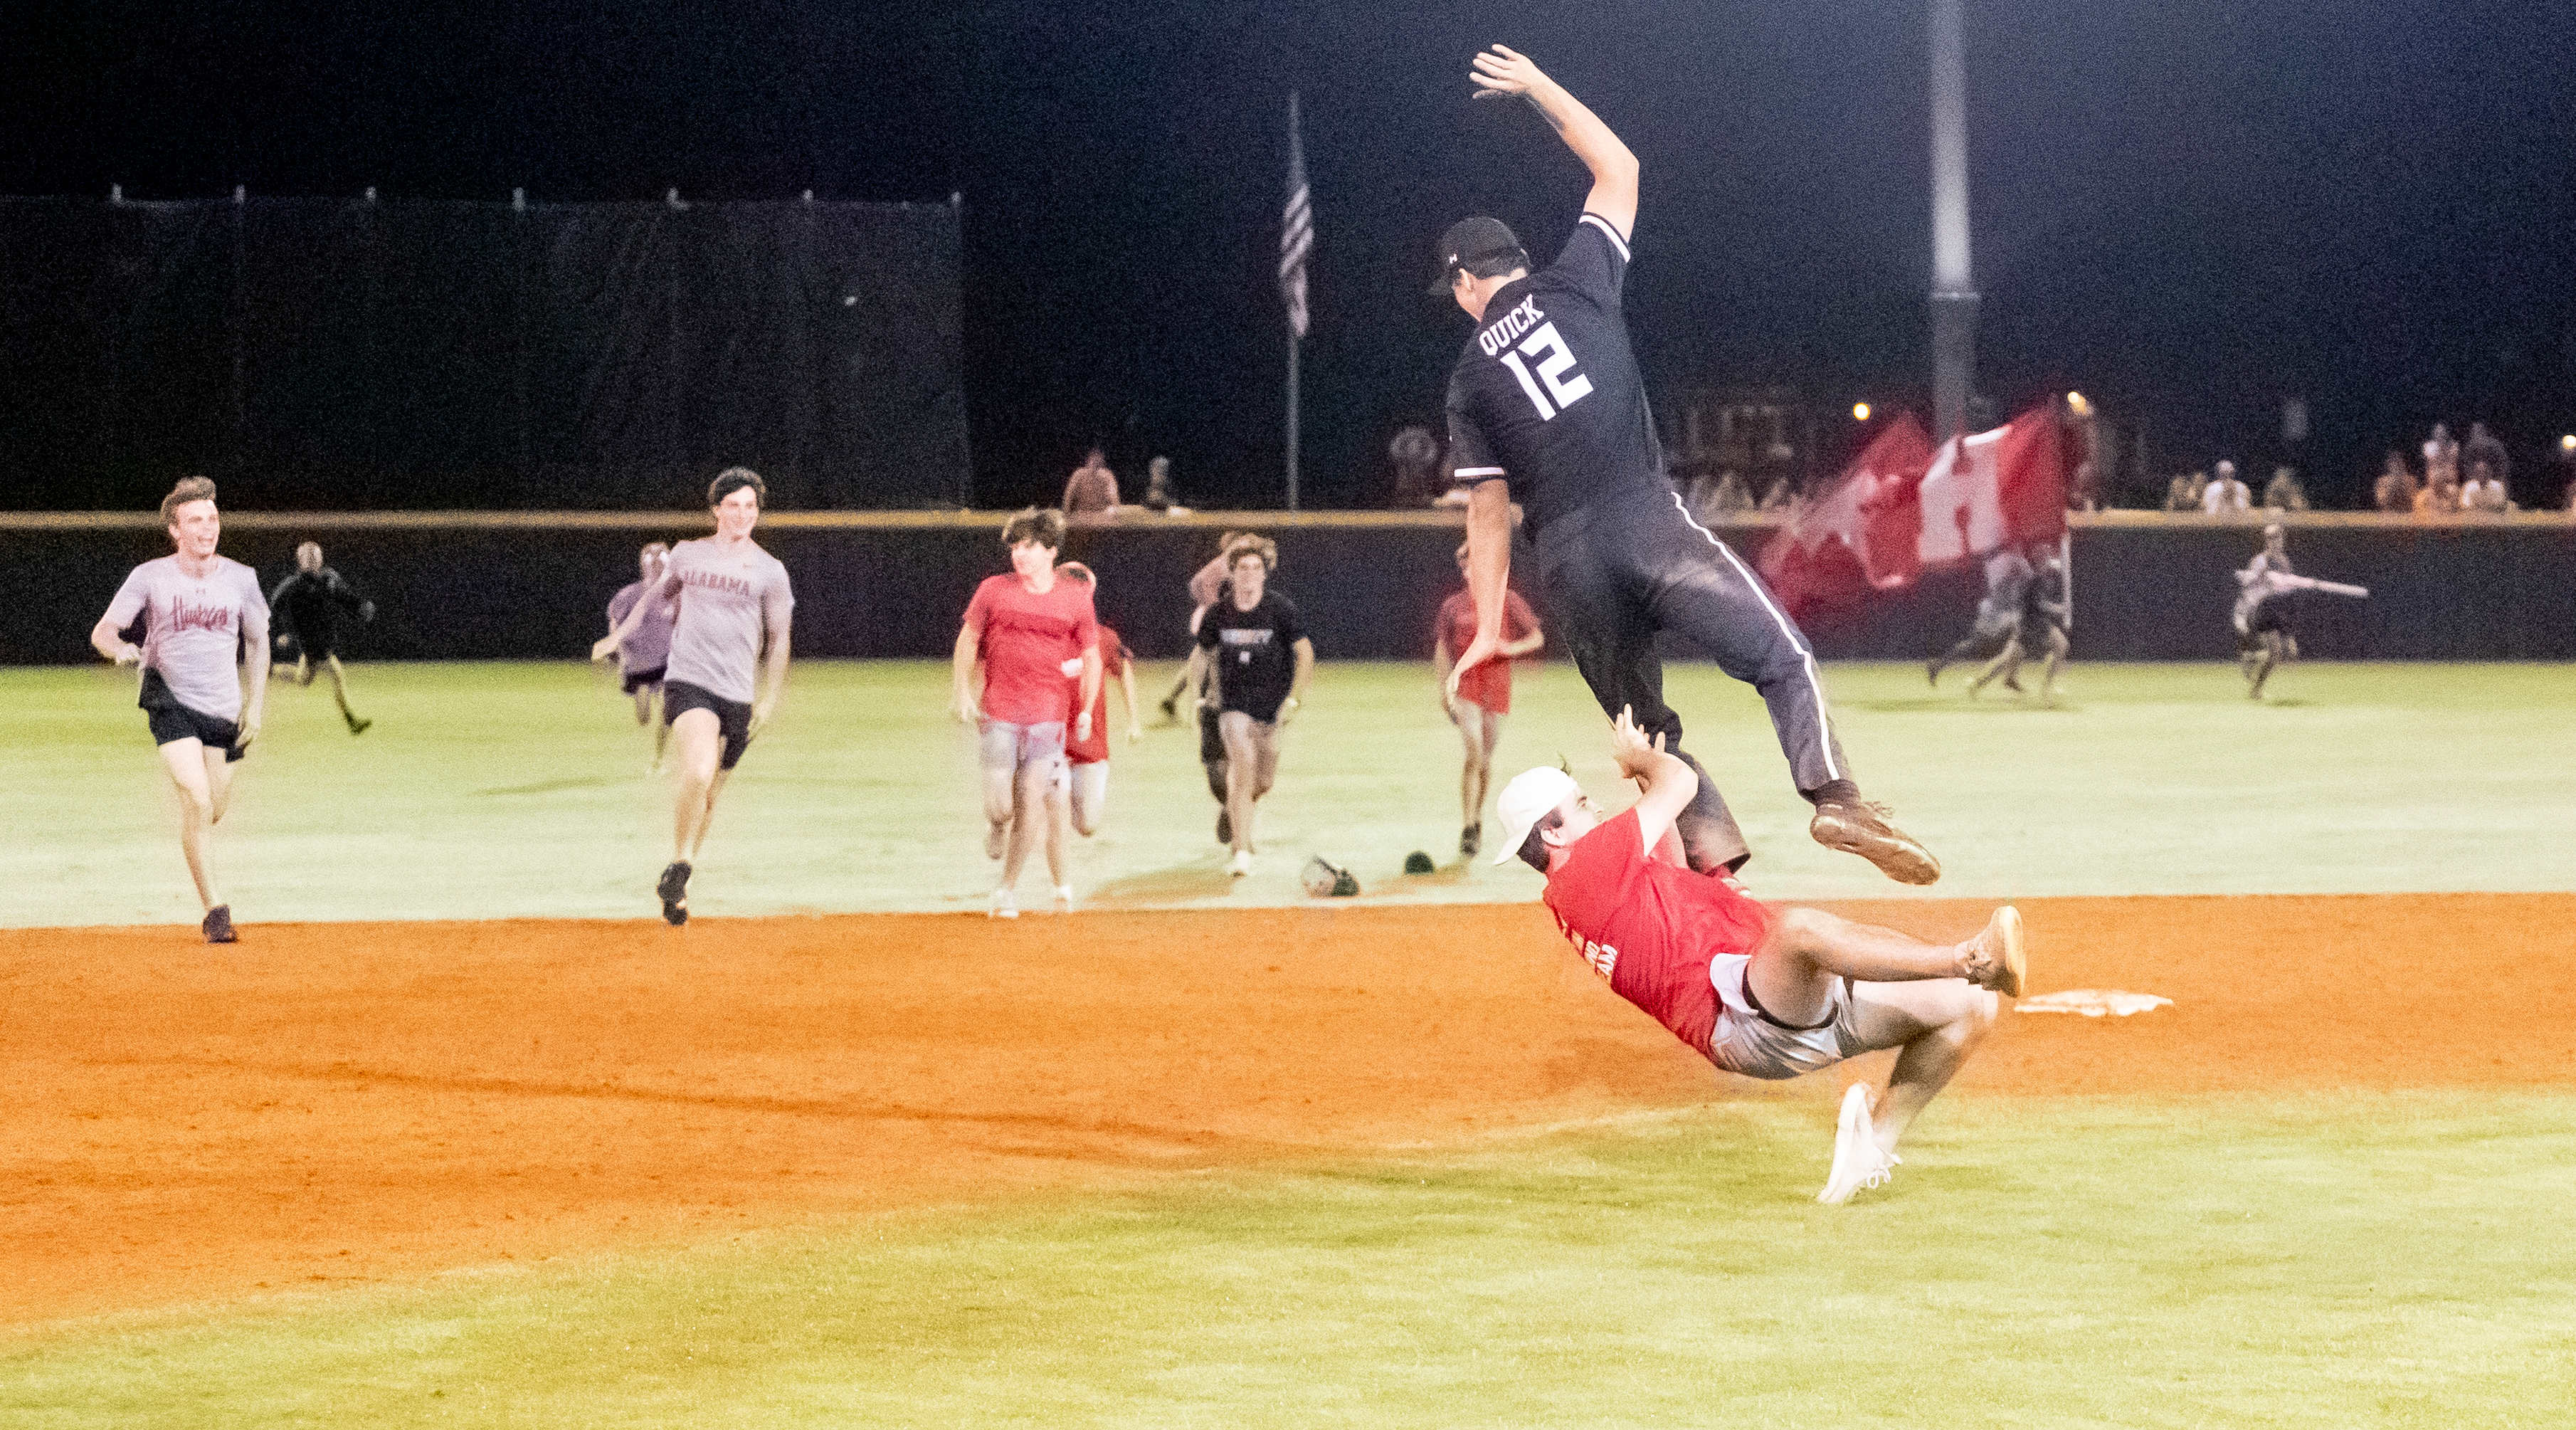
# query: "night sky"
{"type": "Point", "coordinates": [2187, 208]}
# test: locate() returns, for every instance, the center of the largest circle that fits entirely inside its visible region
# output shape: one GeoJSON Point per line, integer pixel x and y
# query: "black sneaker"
{"type": "Point", "coordinates": [1470, 837]}
{"type": "Point", "coordinates": [218, 926]}
{"type": "Point", "coordinates": [1171, 709]}
{"type": "Point", "coordinates": [359, 727]}
{"type": "Point", "coordinates": [674, 890]}
{"type": "Point", "coordinates": [1224, 827]}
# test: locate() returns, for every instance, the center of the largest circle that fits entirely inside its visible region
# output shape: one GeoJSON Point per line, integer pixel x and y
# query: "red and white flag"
{"type": "Point", "coordinates": [1903, 507]}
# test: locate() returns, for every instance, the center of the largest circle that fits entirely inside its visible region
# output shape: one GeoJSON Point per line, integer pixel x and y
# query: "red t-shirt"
{"type": "Point", "coordinates": [1025, 639]}
{"type": "Point", "coordinates": [1113, 659]}
{"type": "Point", "coordinates": [1650, 928]}
{"type": "Point", "coordinates": [1489, 684]}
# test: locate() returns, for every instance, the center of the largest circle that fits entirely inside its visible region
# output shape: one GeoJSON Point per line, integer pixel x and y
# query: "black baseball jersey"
{"type": "Point", "coordinates": [1546, 394]}
{"type": "Point", "coordinates": [308, 605]}
{"type": "Point", "coordinates": [1255, 652]}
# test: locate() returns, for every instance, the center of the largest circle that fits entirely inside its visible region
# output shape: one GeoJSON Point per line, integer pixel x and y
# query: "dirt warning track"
{"type": "Point", "coordinates": [338, 1102]}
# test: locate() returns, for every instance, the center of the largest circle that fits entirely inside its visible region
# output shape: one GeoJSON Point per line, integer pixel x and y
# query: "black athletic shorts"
{"type": "Point", "coordinates": [733, 717]}
{"type": "Point", "coordinates": [171, 720]}
{"type": "Point", "coordinates": [637, 679]}
{"type": "Point", "coordinates": [1211, 743]}
{"type": "Point", "coordinates": [2273, 615]}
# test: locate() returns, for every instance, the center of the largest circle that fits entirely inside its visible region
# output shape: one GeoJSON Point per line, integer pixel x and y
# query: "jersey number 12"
{"type": "Point", "coordinates": [1555, 365]}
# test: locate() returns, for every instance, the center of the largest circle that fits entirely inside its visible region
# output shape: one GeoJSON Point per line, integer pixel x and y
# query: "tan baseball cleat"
{"type": "Point", "coordinates": [1854, 827]}
{"type": "Point", "coordinates": [1994, 958]}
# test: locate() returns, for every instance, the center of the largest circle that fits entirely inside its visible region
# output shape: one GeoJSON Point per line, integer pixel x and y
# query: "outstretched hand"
{"type": "Point", "coordinates": [603, 648]}
{"type": "Point", "coordinates": [1631, 750]}
{"type": "Point", "coordinates": [1503, 71]}
{"type": "Point", "coordinates": [1479, 650]}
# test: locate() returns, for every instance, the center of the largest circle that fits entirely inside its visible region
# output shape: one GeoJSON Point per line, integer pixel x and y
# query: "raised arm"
{"type": "Point", "coordinates": [1669, 781]}
{"type": "Point", "coordinates": [1504, 71]}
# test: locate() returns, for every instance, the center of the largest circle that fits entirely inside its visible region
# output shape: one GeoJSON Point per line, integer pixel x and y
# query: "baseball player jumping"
{"type": "Point", "coordinates": [1546, 404]}
{"type": "Point", "coordinates": [1757, 993]}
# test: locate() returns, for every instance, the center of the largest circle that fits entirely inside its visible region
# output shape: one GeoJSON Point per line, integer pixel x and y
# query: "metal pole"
{"type": "Point", "coordinates": [1292, 421]}
{"type": "Point", "coordinates": [1954, 290]}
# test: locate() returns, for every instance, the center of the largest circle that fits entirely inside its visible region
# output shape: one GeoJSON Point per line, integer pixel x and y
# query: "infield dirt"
{"type": "Point", "coordinates": [332, 1103]}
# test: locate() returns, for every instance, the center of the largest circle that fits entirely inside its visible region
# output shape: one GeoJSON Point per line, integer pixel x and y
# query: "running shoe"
{"type": "Point", "coordinates": [1994, 958]}
{"type": "Point", "coordinates": [1859, 1162]}
{"type": "Point", "coordinates": [1064, 898]}
{"type": "Point", "coordinates": [1857, 827]}
{"type": "Point", "coordinates": [1006, 905]}
{"type": "Point", "coordinates": [1469, 838]}
{"type": "Point", "coordinates": [674, 889]}
{"type": "Point", "coordinates": [218, 926]}
{"type": "Point", "coordinates": [358, 726]}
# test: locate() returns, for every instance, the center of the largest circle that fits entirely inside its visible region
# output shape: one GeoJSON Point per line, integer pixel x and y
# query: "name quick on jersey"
{"type": "Point", "coordinates": [1501, 333]}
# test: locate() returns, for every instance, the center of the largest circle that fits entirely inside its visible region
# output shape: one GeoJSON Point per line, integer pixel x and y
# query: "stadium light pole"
{"type": "Point", "coordinates": [1954, 290]}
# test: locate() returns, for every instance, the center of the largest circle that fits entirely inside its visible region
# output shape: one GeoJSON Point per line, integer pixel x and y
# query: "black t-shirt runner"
{"type": "Point", "coordinates": [1254, 652]}
{"type": "Point", "coordinates": [1546, 394]}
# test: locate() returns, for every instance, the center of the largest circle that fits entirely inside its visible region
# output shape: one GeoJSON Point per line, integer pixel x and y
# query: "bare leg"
{"type": "Point", "coordinates": [643, 703]}
{"type": "Point", "coordinates": [185, 762]}
{"type": "Point", "coordinates": [2057, 648]}
{"type": "Point", "coordinates": [707, 816]}
{"type": "Point", "coordinates": [1000, 757]}
{"type": "Point", "coordinates": [1030, 822]}
{"type": "Point", "coordinates": [2007, 663]}
{"type": "Point", "coordinates": [2264, 663]}
{"type": "Point", "coordinates": [1059, 799]}
{"type": "Point", "coordinates": [340, 687]}
{"type": "Point", "coordinates": [1475, 732]}
{"type": "Point", "coordinates": [1090, 797]}
{"type": "Point", "coordinates": [1937, 1024]}
{"type": "Point", "coordinates": [700, 737]}
{"type": "Point", "coordinates": [650, 698]}
{"type": "Point", "coordinates": [303, 670]}
{"type": "Point", "coordinates": [1241, 770]}
{"type": "Point", "coordinates": [1792, 974]}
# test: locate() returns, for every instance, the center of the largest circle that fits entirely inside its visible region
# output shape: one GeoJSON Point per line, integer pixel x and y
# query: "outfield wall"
{"type": "Point", "coordinates": [485, 585]}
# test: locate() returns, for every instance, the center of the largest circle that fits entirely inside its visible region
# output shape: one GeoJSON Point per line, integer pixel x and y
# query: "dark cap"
{"type": "Point", "coordinates": [1482, 246]}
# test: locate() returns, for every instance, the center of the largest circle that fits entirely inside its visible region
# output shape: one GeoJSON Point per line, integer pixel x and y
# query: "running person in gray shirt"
{"type": "Point", "coordinates": [203, 616]}
{"type": "Point", "coordinates": [728, 663]}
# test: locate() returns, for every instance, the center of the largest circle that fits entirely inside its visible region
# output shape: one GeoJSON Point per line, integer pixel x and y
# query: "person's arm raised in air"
{"type": "Point", "coordinates": [1668, 780]}
{"type": "Point", "coordinates": [1504, 71]}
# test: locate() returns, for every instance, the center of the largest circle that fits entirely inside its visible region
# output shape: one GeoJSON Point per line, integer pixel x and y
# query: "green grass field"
{"type": "Point", "coordinates": [2149, 779]}
{"type": "Point", "coordinates": [2333, 1258]}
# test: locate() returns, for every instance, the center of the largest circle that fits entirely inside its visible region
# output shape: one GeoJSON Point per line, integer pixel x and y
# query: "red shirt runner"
{"type": "Point", "coordinates": [1113, 659]}
{"type": "Point", "coordinates": [1025, 639]}
{"type": "Point", "coordinates": [1490, 684]}
{"type": "Point", "coordinates": [1650, 928]}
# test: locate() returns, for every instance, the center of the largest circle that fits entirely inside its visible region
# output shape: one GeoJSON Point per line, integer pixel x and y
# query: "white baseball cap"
{"type": "Point", "coordinates": [1532, 795]}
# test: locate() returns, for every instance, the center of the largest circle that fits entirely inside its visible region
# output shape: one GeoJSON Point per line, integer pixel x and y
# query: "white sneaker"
{"type": "Point", "coordinates": [1242, 864]}
{"type": "Point", "coordinates": [1005, 904]}
{"type": "Point", "coordinates": [1859, 1163]}
{"type": "Point", "coordinates": [1064, 898]}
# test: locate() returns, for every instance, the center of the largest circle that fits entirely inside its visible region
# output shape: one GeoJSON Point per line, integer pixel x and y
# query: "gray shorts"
{"type": "Point", "coordinates": [1749, 1042]}
{"type": "Point", "coordinates": [1005, 746]}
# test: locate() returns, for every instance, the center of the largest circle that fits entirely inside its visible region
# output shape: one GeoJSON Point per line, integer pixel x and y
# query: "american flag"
{"type": "Point", "coordinates": [1296, 229]}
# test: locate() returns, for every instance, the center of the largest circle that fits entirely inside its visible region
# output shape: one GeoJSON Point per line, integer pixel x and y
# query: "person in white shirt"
{"type": "Point", "coordinates": [2482, 491]}
{"type": "Point", "coordinates": [2226, 493]}
{"type": "Point", "coordinates": [203, 618]}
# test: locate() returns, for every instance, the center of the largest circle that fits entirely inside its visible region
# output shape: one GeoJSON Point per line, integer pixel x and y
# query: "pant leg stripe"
{"type": "Point", "coordinates": [1789, 628]}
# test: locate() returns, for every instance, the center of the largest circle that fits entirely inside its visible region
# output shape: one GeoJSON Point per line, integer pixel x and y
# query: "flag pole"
{"type": "Point", "coordinates": [1292, 420]}
{"type": "Point", "coordinates": [1295, 234]}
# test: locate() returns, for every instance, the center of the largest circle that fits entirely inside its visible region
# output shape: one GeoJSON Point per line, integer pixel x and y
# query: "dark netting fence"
{"type": "Point", "coordinates": [326, 353]}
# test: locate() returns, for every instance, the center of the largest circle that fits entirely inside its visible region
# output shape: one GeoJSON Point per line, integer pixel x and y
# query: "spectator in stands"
{"type": "Point", "coordinates": [2441, 455]}
{"type": "Point", "coordinates": [2441, 493]}
{"type": "Point", "coordinates": [1158, 485]}
{"type": "Point", "coordinates": [2183, 492]}
{"type": "Point", "coordinates": [1091, 493]}
{"type": "Point", "coordinates": [2283, 492]}
{"type": "Point", "coordinates": [2483, 447]}
{"type": "Point", "coordinates": [2226, 493]}
{"type": "Point", "coordinates": [2395, 490]}
{"type": "Point", "coordinates": [2482, 491]}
